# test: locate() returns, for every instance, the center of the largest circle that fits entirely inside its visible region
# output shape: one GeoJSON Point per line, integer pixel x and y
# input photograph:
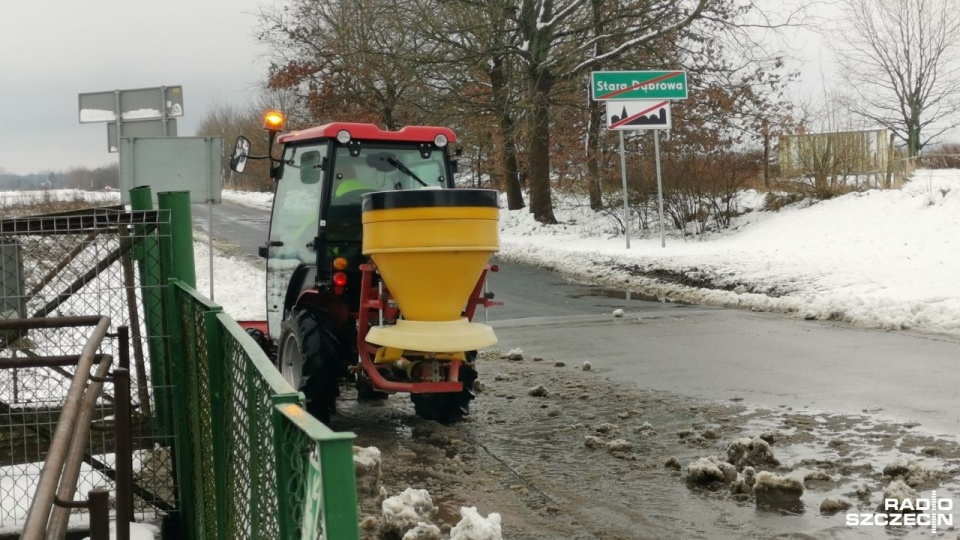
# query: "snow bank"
{"type": "Point", "coordinates": [254, 199]}
{"type": "Point", "coordinates": [880, 258]}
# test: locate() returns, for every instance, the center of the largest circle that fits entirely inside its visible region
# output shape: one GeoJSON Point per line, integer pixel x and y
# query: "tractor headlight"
{"type": "Point", "coordinates": [440, 140]}
{"type": "Point", "coordinates": [343, 136]}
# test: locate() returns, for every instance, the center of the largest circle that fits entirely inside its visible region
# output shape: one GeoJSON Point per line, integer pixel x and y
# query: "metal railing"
{"type": "Point", "coordinates": [58, 479]}
{"type": "Point", "coordinates": [250, 457]}
{"type": "Point", "coordinates": [96, 261]}
{"type": "Point", "coordinates": [222, 447]}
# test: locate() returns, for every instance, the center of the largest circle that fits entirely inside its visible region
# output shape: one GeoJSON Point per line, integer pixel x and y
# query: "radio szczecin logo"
{"type": "Point", "coordinates": [933, 512]}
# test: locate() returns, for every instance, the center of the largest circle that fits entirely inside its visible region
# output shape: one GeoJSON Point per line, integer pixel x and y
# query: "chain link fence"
{"type": "Point", "coordinates": [221, 442]}
{"type": "Point", "coordinates": [100, 261]}
{"type": "Point", "coordinates": [261, 475]}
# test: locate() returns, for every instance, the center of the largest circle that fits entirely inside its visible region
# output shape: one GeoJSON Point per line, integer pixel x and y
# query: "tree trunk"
{"type": "Point", "coordinates": [595, 154]}
{"type": "Point", "coordinates": [541, 206]}
{"type": "Point", "coordinates": [510, 168]}
{"type": "Point", "coordinates": [766, 155]}
{"type": "Point", "coordinates": [507, 129]}
{"type": "Point", "coordinates": [597, 113]}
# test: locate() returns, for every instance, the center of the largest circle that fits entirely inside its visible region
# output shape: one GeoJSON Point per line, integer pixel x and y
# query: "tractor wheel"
{"type": "Point", "coordinates": [365, 389]}
{"type": "Point", "coordinates": [307, 358]}
{"type": "Point", "coordinates": [449, 408]}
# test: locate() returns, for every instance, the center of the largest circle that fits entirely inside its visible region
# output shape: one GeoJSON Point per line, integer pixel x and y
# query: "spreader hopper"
{"type": "Point", "coordinates": [431, 247]}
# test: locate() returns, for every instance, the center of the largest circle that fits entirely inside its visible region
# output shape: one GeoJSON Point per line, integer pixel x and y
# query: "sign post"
{"type": "Point", "coordinates": [656, 150]}
{"type": "Point", "coordinates": [626, 209]}
{"type": "Point", "coordinates": [639, 100]}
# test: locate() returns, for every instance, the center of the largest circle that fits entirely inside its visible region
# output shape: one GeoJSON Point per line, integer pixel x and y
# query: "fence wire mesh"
{"type": "Point", "coordinates": [92, 262]}
{"type": "Point", "coordinates": [259, 477]}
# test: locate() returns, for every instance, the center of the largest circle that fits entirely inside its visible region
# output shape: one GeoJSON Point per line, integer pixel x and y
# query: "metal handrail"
{"type": "Point", "coordinates": [62, 464]}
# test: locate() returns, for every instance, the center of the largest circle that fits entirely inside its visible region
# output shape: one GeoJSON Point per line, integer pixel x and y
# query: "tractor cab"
{"type": "Point", "coordinates": [315, 234]}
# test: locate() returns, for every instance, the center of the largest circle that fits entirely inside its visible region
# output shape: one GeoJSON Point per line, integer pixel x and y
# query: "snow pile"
{"type": "Point", "coordinates": [138, 531]}
{"type": "Point", "coordinates": [775, 490]}
{"type": "Point", "coordinates": [756, 451]}
{"type": "Point", "coordinates": [900, 491]}
{"type": "Point", "coordinates": [830, 506]}
{"type": "Point", "coordinates": [744, 482]}
{"type": "Point", "coordinates": [707, 470]}
{"type": "Point", "coordinates": [912, 473]}
{"type": "Point", "coordinates": [401, 513]}
{"type": "Point", "coordinates": [473, 526]}
{"type": "Point", "coordinates": [423, 531]}
{"type": "Point", "coordinates": [367, 462]}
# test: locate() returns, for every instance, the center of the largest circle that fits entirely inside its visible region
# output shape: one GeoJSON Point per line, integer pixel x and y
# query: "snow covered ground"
{"type": "Point", "coordinates": [881, 258]}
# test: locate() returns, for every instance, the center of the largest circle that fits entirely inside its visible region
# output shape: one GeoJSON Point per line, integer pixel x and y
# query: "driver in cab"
{"type": "Point", "coordinates": [348, 182]}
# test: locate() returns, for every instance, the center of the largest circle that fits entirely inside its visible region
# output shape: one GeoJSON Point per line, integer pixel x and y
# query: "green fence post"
{"type": "Point", "coordinates": [217, 387]}
{"type": "Point", "coordinates": [152, 282]}
{"type": "Point", "coordinates": [183, 453]}
{"type": "Point", "coordinates": [325, 478]}
{"type": "Point", "coordinates": [253, 442]}
{"type": "Point", "coordinates": [339, 497]}
{"type": "Point", "coordinates": [181, 235]}
{"type": "Point", "coordinates": [289, 468]}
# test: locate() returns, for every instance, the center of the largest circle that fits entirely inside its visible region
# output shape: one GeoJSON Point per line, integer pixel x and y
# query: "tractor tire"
{"type": "Point", "coordinates": [449, 408]}
{"type": "Point", "coordinates": [365, 390]}
{"type": "Point", "coordinates": [308, 357]}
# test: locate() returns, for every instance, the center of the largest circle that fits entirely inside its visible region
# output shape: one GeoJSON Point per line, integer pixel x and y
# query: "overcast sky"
{"type": "Point", "coordinates": [53, 50]}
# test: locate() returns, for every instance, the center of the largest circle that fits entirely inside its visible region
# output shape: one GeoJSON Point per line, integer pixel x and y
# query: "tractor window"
{"type": "Point", "coordinates": [296, 204]}
{"type": "Point", "coordinates": [378, 167]}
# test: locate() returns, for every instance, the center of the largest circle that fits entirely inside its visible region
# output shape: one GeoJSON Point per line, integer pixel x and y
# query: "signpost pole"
{"type": "Point", "coordinates": [623, 175]}
{"type": "Point", "coordinates": [656, 150]}
{"type": "Point", "coordinates": [163, 111]}
{"type": "Point", "coordinates": [119, 113]}
{"type": "Point", "coordinates": [210, 242]}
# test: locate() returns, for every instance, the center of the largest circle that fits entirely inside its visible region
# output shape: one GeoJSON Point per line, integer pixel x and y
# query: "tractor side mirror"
{"type": "Point", "coordinates": [238, 161]}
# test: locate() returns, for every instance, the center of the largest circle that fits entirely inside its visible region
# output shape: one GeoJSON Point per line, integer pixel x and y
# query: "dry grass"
{"type": "Point", "coordinates": [44, 203]}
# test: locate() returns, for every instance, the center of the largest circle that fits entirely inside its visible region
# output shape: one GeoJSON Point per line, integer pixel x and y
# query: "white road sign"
{"type": "Point", "coordinates": [646, 114]}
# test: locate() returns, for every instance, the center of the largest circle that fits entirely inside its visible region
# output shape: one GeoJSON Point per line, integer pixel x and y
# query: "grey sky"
{"type": "Point", "coordinates": [53, 50]}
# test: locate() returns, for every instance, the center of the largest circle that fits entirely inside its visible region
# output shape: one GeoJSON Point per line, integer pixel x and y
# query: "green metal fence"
{"type": "Point", "coordinates": [251, 463]}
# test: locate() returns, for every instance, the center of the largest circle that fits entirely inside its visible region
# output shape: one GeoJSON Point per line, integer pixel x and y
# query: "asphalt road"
{"type": "Point", "coordinates": [766, 360]}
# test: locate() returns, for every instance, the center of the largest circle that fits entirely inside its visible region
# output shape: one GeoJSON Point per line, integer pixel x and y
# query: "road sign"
{"type": "Point", "coordinates": [137, 104]}
{"type": "Point", "coordinates": [627, 115]}
{"type": "Point", "coordinates": [140, 128]}
{"type": "Point", "coordinates": [173, 164]}
{"type": "Point", "coordinates": [633, 85]}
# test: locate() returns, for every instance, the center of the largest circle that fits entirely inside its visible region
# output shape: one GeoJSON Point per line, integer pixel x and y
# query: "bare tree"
{"type": "Point", "coordinates": [902, 61]}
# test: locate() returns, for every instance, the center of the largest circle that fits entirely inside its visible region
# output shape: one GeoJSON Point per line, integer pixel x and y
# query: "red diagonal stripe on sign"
{"type": "Point", "coordinates": [627, 120]}
{"type": "Point", "coordinates": [637, 86]}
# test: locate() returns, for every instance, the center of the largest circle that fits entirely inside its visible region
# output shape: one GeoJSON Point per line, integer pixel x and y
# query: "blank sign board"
{"type": "Point", "coordinates": [172, 164]}
{"type": "Point", "coordinates": [143, 128]}
{"type": "Point", "coordinates": [137, 104]}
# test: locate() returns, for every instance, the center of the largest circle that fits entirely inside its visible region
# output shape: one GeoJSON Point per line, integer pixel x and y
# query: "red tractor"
{"type": "Point", "coordinates": [375, 265]}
